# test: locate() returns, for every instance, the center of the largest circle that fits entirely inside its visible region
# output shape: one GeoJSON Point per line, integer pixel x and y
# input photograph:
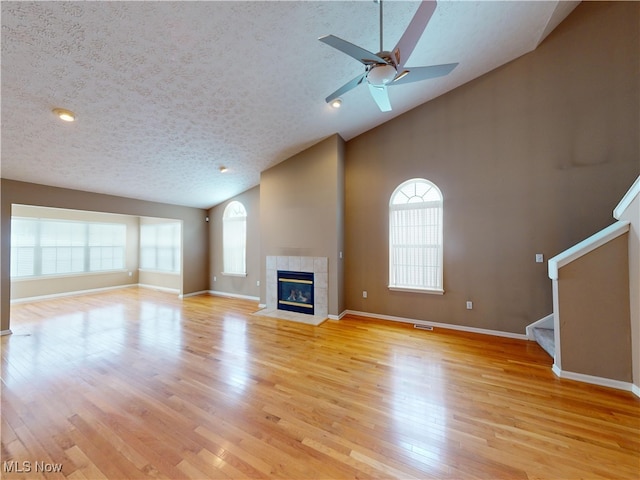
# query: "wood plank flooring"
{"type": "Point", "coordinates": [136, 383]}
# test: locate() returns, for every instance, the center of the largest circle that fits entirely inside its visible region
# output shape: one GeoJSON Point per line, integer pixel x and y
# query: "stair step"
{"type": "Point", "coordinates": [546, 339]}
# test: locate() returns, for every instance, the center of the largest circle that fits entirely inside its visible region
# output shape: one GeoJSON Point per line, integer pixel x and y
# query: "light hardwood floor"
{"type": "Point", "coordinates": [136, 383]}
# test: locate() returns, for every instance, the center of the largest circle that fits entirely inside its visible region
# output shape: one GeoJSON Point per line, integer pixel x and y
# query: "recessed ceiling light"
{"type": "Point", "coordinates": [223, 169]}
{"type": "Point", "coordinates": [336, 103]}
{"type": "Point", "coordinates": [66, 115]}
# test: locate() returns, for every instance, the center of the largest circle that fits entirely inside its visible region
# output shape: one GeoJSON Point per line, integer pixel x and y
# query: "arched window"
{"type": "Point", "coordinates": [234, 239]}
{"type": "Point", "coordinates": [415, 237]}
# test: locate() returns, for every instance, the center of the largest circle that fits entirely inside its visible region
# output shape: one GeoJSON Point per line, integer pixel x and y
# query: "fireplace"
{"type": "Point", "coordinates": [315, 268]}
{"type": "Point", "coordinates": [295, 291]}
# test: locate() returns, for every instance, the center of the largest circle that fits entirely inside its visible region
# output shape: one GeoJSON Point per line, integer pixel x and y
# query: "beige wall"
{"type": "Point", "coordinates": [531, 158]}
{"type": "Point", "coordinates": [161, 280]}
{"type": "Point", "coordinates": [243, 286]}
{"type": "Point", "coordinates": [593, 310]}
{"type": "Point", "coordinates": [25, 288]}
{"type": "Point", "coordinates": [194, 228]}
{"type": "Point", "coordinates": [301, 205]}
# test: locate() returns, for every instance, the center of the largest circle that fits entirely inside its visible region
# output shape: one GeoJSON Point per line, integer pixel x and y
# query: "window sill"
{"type": "Point", "coordinates": [165, 272]}
{"type": "Point", "coordinates": [234, 274]}
{"type": "Point", "coordinates": [54, 276]}
{"type": "Point", "coordinates": [432, 291]}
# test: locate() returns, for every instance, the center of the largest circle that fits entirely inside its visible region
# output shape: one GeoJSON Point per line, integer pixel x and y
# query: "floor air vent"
{"type": "Point", "coordinates": [423, 327]}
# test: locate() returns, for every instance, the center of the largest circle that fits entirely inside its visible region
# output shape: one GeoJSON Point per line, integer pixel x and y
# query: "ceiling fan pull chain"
{"type": "Point", "coordinates": [381, 49]}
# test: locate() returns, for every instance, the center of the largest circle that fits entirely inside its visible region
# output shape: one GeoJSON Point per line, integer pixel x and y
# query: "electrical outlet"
{"type": "Point", "coordinates": [469, 305]}
{"type": "Point", "coordinates": [215, 279]}
{"type": "Point", "coordinates": [364, 294]}
{"type": "Point", "coordinates": [257, 283]}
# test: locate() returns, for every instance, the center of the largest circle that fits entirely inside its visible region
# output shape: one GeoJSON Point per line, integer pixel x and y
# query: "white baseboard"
{"type": "Point", "coordinates": [193, 294]}
{"type": "Point", "coordinates": [5, 332]}
{"type": "Point", "coordinates": [600, 381]}
{"type": "Point", "coordinates": [216, 293]}
{"type": "Point", "coordinates": [338, 317]}
{"type": "Point", "coordinates": [69, 294]}
{"type": "Point", "coordinates": [159, 289]}
{"type": "Point", "coordinates": [462, 328]}
{"type": "Point", "coordinates": [141, 285]}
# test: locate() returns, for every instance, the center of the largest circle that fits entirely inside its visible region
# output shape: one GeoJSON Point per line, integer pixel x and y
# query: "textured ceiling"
{"type": "Point", "coordinates": [167, 92]}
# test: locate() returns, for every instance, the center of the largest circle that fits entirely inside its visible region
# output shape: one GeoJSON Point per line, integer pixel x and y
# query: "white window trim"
{"type": "Point", "coordinates": [231, 217]}
{"type": "Point", "coordinates": [163, 272]}
{"type": "Point", "coordinates": [53, 276]}
{"type": "Point", "coordinates": [433, 291]}
{"type": "Point", "coordinates": [436, 290]}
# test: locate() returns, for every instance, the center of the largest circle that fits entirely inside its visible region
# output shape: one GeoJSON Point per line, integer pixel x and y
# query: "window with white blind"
{"type": "Point", "coordinates": [24, 241]}
{"type": "Point", "coordinates": [234, 239]}
{"type": "Point", "coordinates": [41, 247]}
{"type": "Point", "coordinates": [160, 246]}
{"type": "Point", "coordinates": [106, 246]}
{"type": "Point", "coordinates": [415, 237]}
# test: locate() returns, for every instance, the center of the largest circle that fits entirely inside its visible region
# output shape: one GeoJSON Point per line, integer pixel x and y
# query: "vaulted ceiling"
{"type": "Point", "coordinates": [166, 93]}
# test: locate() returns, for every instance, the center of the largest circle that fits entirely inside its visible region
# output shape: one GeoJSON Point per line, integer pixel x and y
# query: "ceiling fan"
{"type": "Point", "coordinates": [387, 68]}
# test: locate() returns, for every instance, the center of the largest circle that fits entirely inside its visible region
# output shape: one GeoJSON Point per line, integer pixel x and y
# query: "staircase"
{"type": "Point", "coordinates": [543, 332]}
{"type": "Point", "coordinates": [593, 330]}
{"type": "Point", "coordinates": [545, 338]}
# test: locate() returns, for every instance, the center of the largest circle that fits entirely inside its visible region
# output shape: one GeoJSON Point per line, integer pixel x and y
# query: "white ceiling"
{"type": "Point", "coordinates": [167, 92]}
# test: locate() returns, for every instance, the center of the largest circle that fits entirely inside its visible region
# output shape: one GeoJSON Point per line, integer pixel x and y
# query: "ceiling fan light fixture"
{"type": "Point", "coordinates": [387, 66]}
{"type": "Point", "coordinates": [381, 75]}
{"type": "Point", "coordinates": [337, 103]}
{"type": "Point", "coordinates": [401, 75]}
{"type": "Point", "coordinates": [63, 114]}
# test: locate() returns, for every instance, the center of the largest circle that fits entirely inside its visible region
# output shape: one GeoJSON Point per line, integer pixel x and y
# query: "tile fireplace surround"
{"type": "Point", "coordinates": [316, 265]}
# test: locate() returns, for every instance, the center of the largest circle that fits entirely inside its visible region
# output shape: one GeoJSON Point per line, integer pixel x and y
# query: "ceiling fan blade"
{"type": "Point", "coordinates": [381, 96]}
{"type": "Point", "coordinates": [345, 88]}
{"type": "Point", "coordinates": [360, 54]}
{"type": "Point", "coordinates": [423, 73]}
{"type": "Point", "coordinates": [412, 34]}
